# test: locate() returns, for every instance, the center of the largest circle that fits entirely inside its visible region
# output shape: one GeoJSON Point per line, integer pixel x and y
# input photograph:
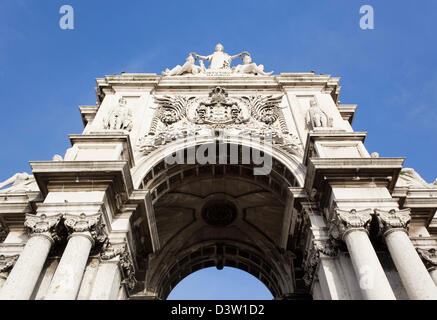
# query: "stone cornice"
{"type": "Point", "coordinates": [321, 170]}
{"type": "Point", "coordinates": [331, 135]}
{"type": "Point", "coordinates": [106, 137]}
{"type": "Point", "coordinates": [77, 173]}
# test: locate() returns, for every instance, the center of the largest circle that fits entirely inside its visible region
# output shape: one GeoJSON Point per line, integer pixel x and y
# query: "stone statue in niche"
{"type": "Point", "coordinates": [316, 117]}
{"type": "Point", "coordinates": [188, 67]}
{"type": "Point", "coordinates": [219, 60]}
{"type": "Point", "coordinates": [119, 118]}
{"type": "Point", "coordinates": [250, 67]}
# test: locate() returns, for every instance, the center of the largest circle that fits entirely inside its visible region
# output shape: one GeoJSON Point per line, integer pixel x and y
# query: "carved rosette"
{"type": "Point", "coordinates": [43, 225]}
{"type": "Point", "coordinates": [346, 221]}
{"type": "Point", "coordinates": [312, 260]}
{"type": "Point", "coordinates": [429, 257]}
{"type": "Point", "coordinates": [89, 225]}
{"type": "Point", "coordinates": [7, 262]}
{"type": "Point", "coordinates": [393, 220]}
{"type": "Point", "coordinates": [112, 251]}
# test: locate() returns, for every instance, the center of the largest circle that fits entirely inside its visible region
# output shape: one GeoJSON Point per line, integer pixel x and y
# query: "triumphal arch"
{"type": "Point", "coordinates": [217, 163]}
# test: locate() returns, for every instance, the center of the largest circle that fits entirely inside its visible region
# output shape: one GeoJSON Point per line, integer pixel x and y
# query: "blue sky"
{"type": "Point", "coordinates": [46, 72]}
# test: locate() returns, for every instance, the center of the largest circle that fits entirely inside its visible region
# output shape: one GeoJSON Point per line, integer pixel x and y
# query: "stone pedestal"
{"type": "Point", "coordinates": [351, 227]}
{"type": "Point", "coordinates": [23, 277]}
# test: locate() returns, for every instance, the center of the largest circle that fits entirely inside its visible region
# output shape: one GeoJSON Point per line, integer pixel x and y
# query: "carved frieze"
{"type": "Point", "coordinates": [256, 116]}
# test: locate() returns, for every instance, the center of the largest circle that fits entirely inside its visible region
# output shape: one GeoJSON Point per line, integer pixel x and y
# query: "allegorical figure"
{"type": "Point", "coordinates": [19, 181]}
{"type": "Point", "coordinates": [188, 67]}
{"type": "Point", "coordinates": [250, 67]}
{"type": "Point", "coordinates": [119, 118]}
{"type": "Point", "coordinates": [219, 60]}
{"type": "Point", "coordinates": [317, 117]}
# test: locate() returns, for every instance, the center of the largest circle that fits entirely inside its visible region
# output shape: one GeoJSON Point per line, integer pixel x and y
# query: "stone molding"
{"type": "Point", "coordinates": [120, 250]}
{"type": "Point", "coordinates": [345, 221]}
{"type": "Point", "coordinates": [392, 220]}
{"type": "Point", "coordinates": [43, 225]}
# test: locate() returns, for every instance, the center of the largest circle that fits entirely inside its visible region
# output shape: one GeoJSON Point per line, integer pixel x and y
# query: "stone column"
{"type": "Point", "coordinates": [415, 278]}
{"type": "Point", "coordinates": [24, 276]}
{"type": "Point", "coordinates": [84, 231]}
{"type": "Point", "coordinates": [429, 258]}
{"type": "Point", "coordinates": [352, 227]}
{"type": "Point", "coordinates": [115, 269]}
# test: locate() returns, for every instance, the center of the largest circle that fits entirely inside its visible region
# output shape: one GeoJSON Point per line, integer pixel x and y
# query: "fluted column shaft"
{"type": "Point", "coordinates": [351, 227]}
{"type": "Point", "coordinates": [24, 275]}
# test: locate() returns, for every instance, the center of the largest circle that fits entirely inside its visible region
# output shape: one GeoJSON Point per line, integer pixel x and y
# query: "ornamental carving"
{"type": "Point", "coordinates": [86, 223]}
{"type": "Point", "coordinates": [256, 116]}
{"type": "Point", "coordinates": [393, 219]}
{"type": "Point", "coordinates": [127, 268]}
{"type": "Point", "coordinates": [43, 224]}
{"type": "Point", "coordinates": [312, 260]}
{"type": "Point", "coordinates": [429, 257]}
{"type": "Point", "coordinates": [345, 220]}
{"type": "Point", "coordinates": [7, 262]}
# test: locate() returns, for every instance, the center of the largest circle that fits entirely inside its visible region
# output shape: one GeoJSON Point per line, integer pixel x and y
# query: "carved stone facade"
{"type": "Point", "coordinates": [164, 180]}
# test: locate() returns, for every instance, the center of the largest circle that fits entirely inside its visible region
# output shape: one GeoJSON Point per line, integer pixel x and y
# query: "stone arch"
{"type": "Point", "coordinates": [146, 163]}
{"type": "Point", "coordinates": [250, 242]}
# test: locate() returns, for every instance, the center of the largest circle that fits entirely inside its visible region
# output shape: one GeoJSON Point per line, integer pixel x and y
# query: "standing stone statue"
{"type": "Point", "coordinates": [219, 60]}
{"type": "Point", "coordinates": [119, 118]}
{"type": "Point", "coordinates": [316, 117]}
{"type": "Point", "coordinates": [250, 67]}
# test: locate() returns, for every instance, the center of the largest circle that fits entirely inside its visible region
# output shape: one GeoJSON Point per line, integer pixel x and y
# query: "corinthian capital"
{"type": "Point", "coordinates": [312, 259]}
{"type": "Point", "coordinates": [43, 224]}
{"type": "Point", "coordinates": [83, 223]}
{"type": "Point", "coordinates": [7, 262]}
{"type": "Point", "coordinates": [429, 257]}
{"type": "Point", "coordinates": [393, 219]}
{"type": "Point", "coordinates": [349, 220]}
{"type": "Point", "coordinates": [127, 267]}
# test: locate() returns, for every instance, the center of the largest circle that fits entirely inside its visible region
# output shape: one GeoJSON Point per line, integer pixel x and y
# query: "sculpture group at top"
{"type": "Point", "coordinates": [219, 61]}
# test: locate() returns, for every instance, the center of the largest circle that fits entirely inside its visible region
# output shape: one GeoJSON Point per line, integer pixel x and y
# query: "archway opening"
{"type": "Point", "coordinates": [227, 284]}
